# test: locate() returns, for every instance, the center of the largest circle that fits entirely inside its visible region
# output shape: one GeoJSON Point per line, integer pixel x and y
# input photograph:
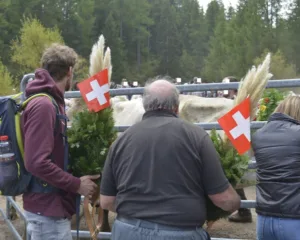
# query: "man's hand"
{"type": "Point", "coordinates": [87, 186]}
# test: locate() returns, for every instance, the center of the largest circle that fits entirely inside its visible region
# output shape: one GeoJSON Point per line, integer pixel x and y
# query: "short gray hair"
{"type": "Point", "coordinates": [155, 101]}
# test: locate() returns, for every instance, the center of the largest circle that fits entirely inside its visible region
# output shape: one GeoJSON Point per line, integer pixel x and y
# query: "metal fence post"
{"type": "Point", "coordinates": [26, 78]}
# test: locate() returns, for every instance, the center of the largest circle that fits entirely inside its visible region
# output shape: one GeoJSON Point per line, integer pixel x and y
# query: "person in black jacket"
{"type": "Point", "coordinates": [276, 148]}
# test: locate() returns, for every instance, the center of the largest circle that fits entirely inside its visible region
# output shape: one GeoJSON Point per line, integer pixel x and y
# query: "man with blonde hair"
{"type": "Point", "coordinates": [49, 202]}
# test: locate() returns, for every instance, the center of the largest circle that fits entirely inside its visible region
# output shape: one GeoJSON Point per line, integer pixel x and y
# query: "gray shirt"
{"type": "Point", "coordinates": [161, 170]}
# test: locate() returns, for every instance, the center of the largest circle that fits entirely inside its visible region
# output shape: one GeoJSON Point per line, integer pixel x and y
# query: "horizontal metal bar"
{"type": "Point", "coordinates": [252, 164]}
{"type": "Point", "coordinates": [10, 226]}
{"type": "Point", "coordinates": [205, 126]}
{"type": "Point", "coordinates": [209, 126]}
{"type": "Point", "coordinates": [248, 204]}
{"type": "Point", "coordinates": [107, 235]}
{"type": "Point", "coordinates": [288, 83]}
{"type": "Point", "coordinates": [86, 234]}
{"type": "Point", "coordinates": [16, 206]}
{"type": "Point", "coordinates": [101, 235]}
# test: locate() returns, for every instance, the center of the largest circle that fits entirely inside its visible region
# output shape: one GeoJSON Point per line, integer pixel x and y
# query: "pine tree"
{"type": "Point", "coordinates": [78, 14]}
{"type": "Point", "coordinates": [215, 59]}
{"type": "Point", "coordinates": [193, 32]}
{"type": "Point", "coordinates": [119, 62]}
{"type": "Point", "coordinates": [215, 9]}
{"type": "Point", "coordinates": [165, 41]}
{"type": "Point", "coordinates": [294, 33]}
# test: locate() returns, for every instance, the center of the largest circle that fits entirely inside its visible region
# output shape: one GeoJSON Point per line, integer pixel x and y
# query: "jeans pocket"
{"type": "Point", "coordinates": [63, 227]}
{"type": "Point", "coordinates": [34, 229]}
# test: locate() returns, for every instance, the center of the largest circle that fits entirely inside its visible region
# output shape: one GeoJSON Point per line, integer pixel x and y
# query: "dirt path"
{"type": "Point", "coordinates": [220, 229]}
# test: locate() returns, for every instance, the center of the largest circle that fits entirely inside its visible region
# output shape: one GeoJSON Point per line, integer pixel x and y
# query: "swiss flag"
{"type": "Point", "coordinates": [236, 125]}
{"type": "Point", "coordinates": [95, 91]}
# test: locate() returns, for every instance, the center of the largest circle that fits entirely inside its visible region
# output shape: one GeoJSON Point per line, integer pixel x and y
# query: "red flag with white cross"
{"type": "Point", "coordinates": [236, 125]}
{"type": "Point", "coordinates": [95, 91]}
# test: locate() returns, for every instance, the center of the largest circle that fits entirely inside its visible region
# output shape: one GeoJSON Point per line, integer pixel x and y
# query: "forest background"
{"type": "Point", "coordinates": [153, 37]}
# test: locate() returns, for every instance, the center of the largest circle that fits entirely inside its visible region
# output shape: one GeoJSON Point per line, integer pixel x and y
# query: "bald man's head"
{"type": "Point", "coordinates": [161, 95]}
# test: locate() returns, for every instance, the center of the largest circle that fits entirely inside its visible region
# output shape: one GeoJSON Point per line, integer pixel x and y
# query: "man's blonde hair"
{"type": "Point", "coordinates": [57, 60]}
{"type": "Point", "coordinates": [290, 106]}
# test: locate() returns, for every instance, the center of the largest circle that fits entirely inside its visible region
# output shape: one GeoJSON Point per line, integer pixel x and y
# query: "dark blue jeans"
{"type": "Point", "coordinates": [126, 231]}
{"type": "Point", "coordinates": [273, 228]}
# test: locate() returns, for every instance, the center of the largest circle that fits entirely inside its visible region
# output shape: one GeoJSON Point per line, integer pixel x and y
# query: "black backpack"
{"type": "Point", "coordinates": [16, 179]}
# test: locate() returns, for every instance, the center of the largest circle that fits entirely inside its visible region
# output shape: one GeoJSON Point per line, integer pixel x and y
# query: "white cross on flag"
{"type": "Point", "coordinates": [236, 125]}
{"type": "Point", "coordinates": [95, 91]}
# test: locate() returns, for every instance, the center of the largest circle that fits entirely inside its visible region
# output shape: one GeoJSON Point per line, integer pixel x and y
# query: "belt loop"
{"type": "Point", "coordinates": [138, 223]}
{"type": "Point", "coordinates": [156, 227]}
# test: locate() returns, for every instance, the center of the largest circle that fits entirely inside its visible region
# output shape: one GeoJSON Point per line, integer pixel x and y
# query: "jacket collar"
{"type": "Point", "coordinates": [282, 117]}
{"type": "Point", "coordinates": [159, 113]}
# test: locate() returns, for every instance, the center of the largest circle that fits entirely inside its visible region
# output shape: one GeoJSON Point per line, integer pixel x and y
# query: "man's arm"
{"type": "Point", "coordinates": [108, 188]}
{"type": "Point", "coordinates": [39, 144]}
{"type": "Point", "coordinates": [228, 200]}
{"type": "Point", "coordinates": [215, 183]}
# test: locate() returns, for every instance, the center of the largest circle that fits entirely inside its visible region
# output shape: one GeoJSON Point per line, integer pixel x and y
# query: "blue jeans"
{"type": "Point", "coordinates": [125, 231]}
{"type": "Point", "coordinates": [274, 228]}
{"type": "Point", "coordinates": [48, 228]}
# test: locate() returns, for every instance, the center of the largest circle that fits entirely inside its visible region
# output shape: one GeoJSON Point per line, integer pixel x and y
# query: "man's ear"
{"type": "Point", "coordinates": [70, 72]}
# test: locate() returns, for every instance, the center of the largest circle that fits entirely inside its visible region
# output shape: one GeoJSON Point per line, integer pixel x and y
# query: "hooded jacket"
{"type": "Point", "coordinates": [38, 124]}
{"type": "Point", "coordinates": [276, 148]}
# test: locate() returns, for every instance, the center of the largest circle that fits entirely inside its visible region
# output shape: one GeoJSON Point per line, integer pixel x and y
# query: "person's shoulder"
{"type": "Point", "coordinates": [42, 105]}
{"type": "Point", "coordinates": [192, 129]}
{"type": "Point", "coordinates": [190, 126]}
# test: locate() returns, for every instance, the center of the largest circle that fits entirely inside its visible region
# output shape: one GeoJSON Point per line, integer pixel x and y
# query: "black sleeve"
{"type": "Point", "coordinates": [213, 177]}
{"type": "Point", "coordinates": [108, 184]}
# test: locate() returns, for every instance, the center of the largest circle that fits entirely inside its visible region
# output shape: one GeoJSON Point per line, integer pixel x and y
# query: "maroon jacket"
{"type": "Point", "coordinates": [38, 122]}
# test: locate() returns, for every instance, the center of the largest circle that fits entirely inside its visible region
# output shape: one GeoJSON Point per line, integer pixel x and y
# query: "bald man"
{"type": "Point", "coordinates": [159, 173]}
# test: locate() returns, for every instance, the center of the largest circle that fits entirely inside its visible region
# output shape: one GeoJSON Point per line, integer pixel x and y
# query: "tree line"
{"type": "Point", "coordinates": [154, 37]}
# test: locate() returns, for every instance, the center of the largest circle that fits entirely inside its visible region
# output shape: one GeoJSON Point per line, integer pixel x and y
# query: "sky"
{"type": "Point", "coordinates": [227, 3]}
{"type": "Point", "coordinates": [234, 3]}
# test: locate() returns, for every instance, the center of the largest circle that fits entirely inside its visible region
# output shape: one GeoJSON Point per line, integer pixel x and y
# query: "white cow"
{"type": "Point", "coordinates": [192, 108]}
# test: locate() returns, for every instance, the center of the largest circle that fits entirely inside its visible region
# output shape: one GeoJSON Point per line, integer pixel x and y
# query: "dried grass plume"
{"type": "Point", "coordinates": [99, 60]}
{"type": "Point", "coordinates": [254, 85]}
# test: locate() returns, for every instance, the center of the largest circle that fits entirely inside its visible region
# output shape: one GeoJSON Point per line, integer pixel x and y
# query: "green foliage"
{"type": "Point", "coordinates": [280, 68]}
{"type": "Point", "coordinates": [149, 38]}
{"type": "Point", "coordinates": [90, 137]}
{"type": "Point", "coordinates": [79, 16]}
{"type": "Point", "coordinates": [34, 38]}
{"type": "Point", "coordinates": [81, 70]}
{"type": "Point", "coordinates": [268, 103]}
{"type": "Point", "coordinates": [234, 165]}
{"type": "Point", "coordinates": [6, 81]}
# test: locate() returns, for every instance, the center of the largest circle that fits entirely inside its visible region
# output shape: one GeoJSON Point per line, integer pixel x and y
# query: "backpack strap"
{"type": "Point", "coordinates": [18, 118]}
{"type": "Point", "coordinates": [38, 185]}
{"type": "Point", "coordinates": [64, 119]}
